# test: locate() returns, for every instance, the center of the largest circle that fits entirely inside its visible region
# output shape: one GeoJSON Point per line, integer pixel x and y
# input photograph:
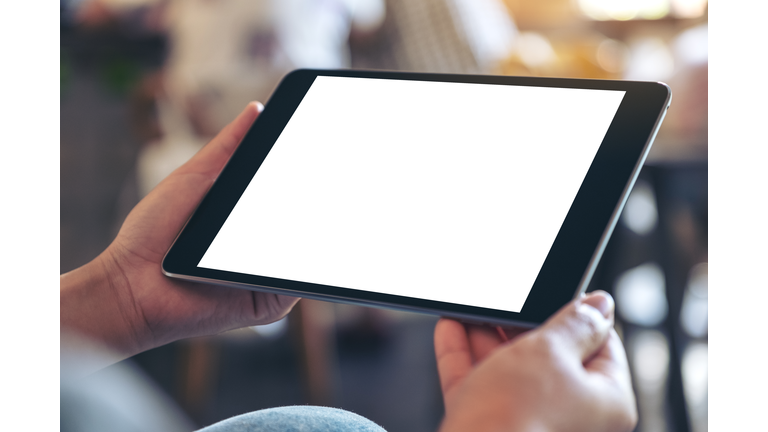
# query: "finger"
{"type": "Point", "coordinates": [185, 187]}
{"type": "Point", "coordinates": [268, 308]}
{"type": "Point", "coordinates": [512, 332]}
{"type": "Point", "coordinates": [582, 326]}
{"type": "Point", "coordinates": [611, 359]}
{"type": "Point", "coordinates": [482, 341]}
{"type": "Point", "coordinates": [452, 350]}
{"type": "Point", "coordinates": [212, 158]}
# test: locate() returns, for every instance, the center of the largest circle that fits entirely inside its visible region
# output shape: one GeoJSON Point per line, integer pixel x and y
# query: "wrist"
{"type": "Point", "coordinates": [96, 302]}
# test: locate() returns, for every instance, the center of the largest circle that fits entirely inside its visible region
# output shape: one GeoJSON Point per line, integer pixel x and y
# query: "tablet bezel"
{"type": "Point", "coordinates": [571, 260]}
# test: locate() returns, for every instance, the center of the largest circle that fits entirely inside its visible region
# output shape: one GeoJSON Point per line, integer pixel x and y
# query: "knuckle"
{"type": "Point", "coordinates": [588, 324]}
{"type": "Point", "coordinates": [544, 346]}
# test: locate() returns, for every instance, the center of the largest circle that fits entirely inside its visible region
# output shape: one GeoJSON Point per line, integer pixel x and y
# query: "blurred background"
{"type": "Point", "coordinates": [145, 83]}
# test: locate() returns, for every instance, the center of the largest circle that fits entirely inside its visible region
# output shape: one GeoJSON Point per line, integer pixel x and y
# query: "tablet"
{"type": "Point", "coordinates": [483, 198]}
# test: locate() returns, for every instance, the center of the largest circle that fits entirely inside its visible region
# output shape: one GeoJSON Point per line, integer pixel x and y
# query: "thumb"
{"type": "Point", "coordinates": [214, 155]}
{"type": "Point", "coordinates": [583, 325]}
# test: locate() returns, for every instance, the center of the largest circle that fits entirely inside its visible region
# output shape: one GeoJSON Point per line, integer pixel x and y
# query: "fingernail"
{"type": "Point", "coordinates": [259, 106]}
{"type": "Point", "coordinates": [601, 301]}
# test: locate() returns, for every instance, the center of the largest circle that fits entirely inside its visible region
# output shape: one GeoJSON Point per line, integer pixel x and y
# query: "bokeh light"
{"type": "Point", "coordinates": [640, 295]}
{"type": "Point", "coordinates": [640, 213]}
{"type": "Point", "coordinates": [650, 59]}
{"type": "Point", "coordinates": [535, 50]}
{"type": "Point", "coordinates": [612, 55]}
{"type": "Point", "coordinates": [689, 8]}
{"type": "Point", "coordinates": [693, 315]}
{"type": "Point", "coordinates": [650, 359]}
{"type": "Point", "coordinates": [695, 370]}
{"type": "Point", "coordinates": [623, 10]}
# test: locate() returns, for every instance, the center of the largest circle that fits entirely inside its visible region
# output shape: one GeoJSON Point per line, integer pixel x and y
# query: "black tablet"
{"type": "Point", "coordinates": [484, 198]}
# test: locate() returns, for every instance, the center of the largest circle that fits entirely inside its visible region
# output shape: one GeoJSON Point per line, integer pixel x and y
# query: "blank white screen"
{"type": "Point", "coordinates": [442, 191]}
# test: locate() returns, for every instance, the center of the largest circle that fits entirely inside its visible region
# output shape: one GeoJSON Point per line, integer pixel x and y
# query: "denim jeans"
{"type": "Point", "coordinates": [298, 418]}
{"type": "Point", "coordinates": [121, 398]}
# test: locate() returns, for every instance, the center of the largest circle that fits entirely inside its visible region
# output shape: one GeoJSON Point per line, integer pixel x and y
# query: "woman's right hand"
{"type": "Point", "coordinates": [570, 374]}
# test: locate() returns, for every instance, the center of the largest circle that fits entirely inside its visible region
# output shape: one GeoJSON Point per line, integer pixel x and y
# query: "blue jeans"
{"type": "Point", "coordinates": [122, 398]}
{"type": "Point", "coordinates": [296, 419]}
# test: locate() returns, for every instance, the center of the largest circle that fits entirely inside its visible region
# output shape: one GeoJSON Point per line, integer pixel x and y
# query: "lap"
{"type": "Point", "coordinates": [299, 418]}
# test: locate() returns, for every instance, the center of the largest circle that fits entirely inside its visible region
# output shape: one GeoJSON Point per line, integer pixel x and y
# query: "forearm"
{"type": "Point", "coordinates": [95, 303]}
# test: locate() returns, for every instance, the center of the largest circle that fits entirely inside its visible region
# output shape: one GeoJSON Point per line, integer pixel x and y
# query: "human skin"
{"type": "Point", "coordinates": [121, 299]}
{"type": "Point", "coordinates": [570, 374]}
